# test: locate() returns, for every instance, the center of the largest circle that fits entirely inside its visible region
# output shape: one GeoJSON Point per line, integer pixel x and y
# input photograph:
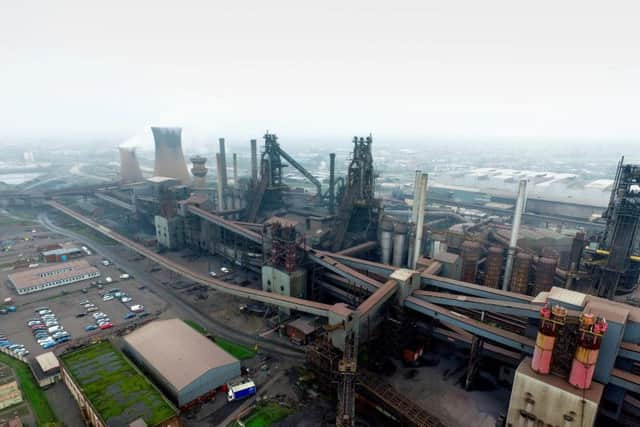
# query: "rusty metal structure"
{"type": "Point", "coordinates": [493, 267]}
{"type": "Point", "coordinates": [284, 242]}
{"type": "Point", "coordinates": [358, 208]}
{"type": "Point", "coordinates": [470, 257]}
{"type": "Point", "coordinates": [521, 271]}
{"type": "Point", "coordinates": [545, 273]}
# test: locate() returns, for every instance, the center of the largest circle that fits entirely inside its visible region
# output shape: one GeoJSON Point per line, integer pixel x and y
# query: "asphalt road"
{"type": "Point", "coordinates": [119, 255]}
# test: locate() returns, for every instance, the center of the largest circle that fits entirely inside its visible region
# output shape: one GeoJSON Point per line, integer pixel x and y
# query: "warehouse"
{"type": "Point", "coordinates": [102, 381]}
{"type": "Point", "coordinates": [39, 279]}
{"type": "Point", "coordinates": [186, 365]}
{"type": "Point", "coordinates": [61, 254]}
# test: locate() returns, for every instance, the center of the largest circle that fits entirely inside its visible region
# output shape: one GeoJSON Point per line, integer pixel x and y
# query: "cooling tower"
{"type": "Point", "coordinates": [129, 166]}
{"type": "Point", "coordinates": [169, 158]}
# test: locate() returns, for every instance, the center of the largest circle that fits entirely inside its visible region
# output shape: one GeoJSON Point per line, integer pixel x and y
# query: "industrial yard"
{"type": "Point", "coordinates": [249, 297]}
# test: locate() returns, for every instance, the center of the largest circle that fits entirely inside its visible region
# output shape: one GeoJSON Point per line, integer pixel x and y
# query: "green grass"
{"type": "Point", "coordinates": [236, 350]}
{"type": "Point", "coordinates": [114, 386]}
{"type": "Point", "coordinates": [266, 414]}
{"type": "Point", "coordinates": [31, 390]}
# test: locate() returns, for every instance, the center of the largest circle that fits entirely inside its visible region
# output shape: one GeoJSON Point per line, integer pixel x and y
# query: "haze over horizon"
{"type": "Point", "coordinates": [417, 71]}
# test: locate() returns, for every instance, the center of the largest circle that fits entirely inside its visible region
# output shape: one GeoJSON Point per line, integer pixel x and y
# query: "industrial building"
{"type": "Point", "coordinates": [51, 276]}
{"type": "Point", "coordinates": [45, 368]}
{"type": "Point", "coordinates": [61, 254]}
{"type": "Point", "coordinates": [481, 275]}
{"type": "Point", "coordinates": [185, 364]}
{"type": "Point", "coordinates": [100, 379]}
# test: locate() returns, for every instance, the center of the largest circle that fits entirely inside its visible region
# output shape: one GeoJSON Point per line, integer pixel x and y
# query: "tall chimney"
{"type": "Point", "coordinates": [417, 249]}
{"type": "Point", "coordinates": [223, 158]}
{"type": "Point", "coordinates": [332, 183]}
{"type": "Point", "coordinates": [515, 230]}
{"type": "Point", "coordinates": [254, 160]}
{"type": "Point", "coordinates": [219, 184]}
{"type": "Point", "coordinates": [235, 170]}
{"type": "Point", "coordinates": [413, 217]}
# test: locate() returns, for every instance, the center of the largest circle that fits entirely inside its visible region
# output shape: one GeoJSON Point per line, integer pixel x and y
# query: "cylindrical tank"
{"type": "Point", "coordinates": [386, 228]}
{"type": "Point", "coordinates": [590, 335]}
{"type": "Point", "coordinates": [520, 276]}
{"type": "Point", "coordinates": [470, 257]}
{"type": "Point", "coordinates": [493, 267]}
{"type": "Point", "coordinates": [550, 323]}
{"type": "Point", "coordinates": [545, 272]}
{"type": "Point", "coordinates": [399, 239]}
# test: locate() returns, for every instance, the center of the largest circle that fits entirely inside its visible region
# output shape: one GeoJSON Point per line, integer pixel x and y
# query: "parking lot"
{"type": "Point", "coordinates": [64, 303]}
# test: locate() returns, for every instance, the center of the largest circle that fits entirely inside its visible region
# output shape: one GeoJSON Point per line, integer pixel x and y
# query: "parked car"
{"type": "Point", "coordinates": [224, 269]}
{"type": "Point", "coordinates": [108, 279]}
{"type": "Point", "coordinates": [106, 325]}
{"type": "Point", "coordinates": [45, 311]}
{"type": "Point", "coordinates": [32, 322]}
{"type": "Point", "coordinates": [90, 328]}
{"type": "Point", "coordinates": [89, 305]}
{"type": "Point", "coordinates": [92, 309]}
{"type": "Point", "coordinates": [103, 320]}
{"type": "Point", "coordinates": [126, 299]}
{"type": "Point", "coordinates": [39, 309]}
{"type": "Point", "coordinates": [143, 315]}
{"type": "Point", "coordinates": [48, 345]}
{"type": "Point", "coordinates": [137, 308]}
{"type": "Point", "coordinates": [107, 297]}
{"type": "Point", "coordinates": [55, 328]}
{"type": "Point", "coordinates": [85, 302]}
{"type": "Point", "coordinates": [11, 308]}
{"type": "Point", "coordinates": [129, 316]}
{"type": "Point", "coordinates": [81, 315]}
{"type": "Point", "coordinates": [212, 274]}
{"type": "Point", "coordinates": [124, 276]}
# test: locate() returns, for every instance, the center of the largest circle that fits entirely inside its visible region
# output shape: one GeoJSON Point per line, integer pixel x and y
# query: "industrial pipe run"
{"type": "Point", "coordinates": [515, 230]}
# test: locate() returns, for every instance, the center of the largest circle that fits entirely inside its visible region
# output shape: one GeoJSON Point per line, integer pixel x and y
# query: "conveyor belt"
{"type": "Point", "coordinates": [299, 304]}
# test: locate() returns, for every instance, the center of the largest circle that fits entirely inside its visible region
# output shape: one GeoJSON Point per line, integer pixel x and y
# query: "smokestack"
{"type": "Point", "coordinates": [169, 158]}
{"type": "Point", "coordinates": [254, 160]}
{"type": "Point", "coordinates": [332, 183]}
{"type": "Point", "coordinates": [413, 217]}
{"type": "Point", "coordinates": [417, 249]}
{"type": "Point", "coordinates": [199, 171]}
{"type": "Point", "coordinates": [219, 185]}
{"type": "Point", "coordinates": [223, 158]}
{"type": "Point", "coordinates": [515, 230]}
{"type": "Point", "coordinates": [129, 166]}
{"type": "Point", "coordinates": [235, 170]}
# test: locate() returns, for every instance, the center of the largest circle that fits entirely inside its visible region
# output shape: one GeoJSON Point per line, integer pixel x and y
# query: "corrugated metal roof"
{"type": "Point", "coordinates": [61, 251]}
{"type": "Point", "coordinates": [47, 361]}
{"type": "Point", "coordinates": [176, 351]}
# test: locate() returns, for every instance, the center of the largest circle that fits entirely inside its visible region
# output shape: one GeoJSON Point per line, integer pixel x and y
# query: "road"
{"type": "Point", "coordinates": [181, 307]}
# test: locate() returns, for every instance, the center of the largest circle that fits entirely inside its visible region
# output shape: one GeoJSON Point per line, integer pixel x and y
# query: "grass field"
{"type": "Point", "coordinates": [31, 390]}
{"type": "Point", "coordinates": [236, 350]}
{"type": "Point", "coordinates": [266, 414]}
{"type": "Point", "coordinates": [117, 390]}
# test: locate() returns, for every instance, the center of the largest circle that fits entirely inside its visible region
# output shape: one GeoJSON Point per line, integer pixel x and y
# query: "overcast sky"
{"type": "Point", "coordinates": [480, 69]}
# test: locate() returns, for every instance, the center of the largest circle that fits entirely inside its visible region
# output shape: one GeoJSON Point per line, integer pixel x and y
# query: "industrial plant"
{"type": "Point", "coordinates": [349, 282]}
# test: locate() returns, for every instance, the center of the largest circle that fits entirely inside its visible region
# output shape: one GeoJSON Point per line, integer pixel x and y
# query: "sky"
{"type": "Point", "coordinates": [411, 70]}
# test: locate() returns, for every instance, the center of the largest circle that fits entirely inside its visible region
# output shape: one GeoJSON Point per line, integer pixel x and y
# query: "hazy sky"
{"type": "Point", "coordinates": [567, 69]}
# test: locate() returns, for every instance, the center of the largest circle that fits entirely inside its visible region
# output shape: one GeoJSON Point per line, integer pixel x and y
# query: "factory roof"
{"type": "Point", "coordinates": [61, 251]}
{"type": "Point", "coordinates": [306, 325]}
{"type": "Point", "coordinates": [189, 356]}
{"type": "Point", "coordinates": [160, 179]}
{"type": "Point", "coordinates": [48, 361]}
{"type": "Point", "coordinates": [40, 276]}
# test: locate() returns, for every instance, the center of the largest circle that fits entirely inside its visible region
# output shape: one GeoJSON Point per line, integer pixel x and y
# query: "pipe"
{"type": "Point", "coordinates": [302, 170]}
{"type": "Point", "coordinates": [254, 160]}
{"type": "Point", "coordinates": [235, 170]}
{"type": "Point", "coordinates": [417, 249]}
{"type": "Point", "coordinates": [219, 185]}
{"type": "Point", "coordinates": [515, 229]}
{"type": "Point", "coordinates": [332, 183]}
{"type": "Point", "coordinates": [223, 157]}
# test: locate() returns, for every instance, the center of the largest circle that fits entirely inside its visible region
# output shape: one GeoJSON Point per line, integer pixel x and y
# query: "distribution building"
{"type": "Point", "coordinates": [185, 364]}
{"type": "Point", "coordinates": [39, 279]}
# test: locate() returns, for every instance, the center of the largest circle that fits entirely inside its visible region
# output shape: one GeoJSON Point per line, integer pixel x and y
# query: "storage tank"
{"type": "Point", "coordinates": [545, 272]}
{"type": "Point", "coordinates": [551, 320]}
{"type": "Point", "coordinates": [386, 228]}
{"type": "Point", "coordinates": [470, 258]}
{"type": "Point", "coordinates": [590, 335]}
{"type": "Point", "coordinates": [520, 276]}
{"type": "Point", "coordinates": [493, 267]}
{"type": "Point", "coordinates": [399, 239]}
